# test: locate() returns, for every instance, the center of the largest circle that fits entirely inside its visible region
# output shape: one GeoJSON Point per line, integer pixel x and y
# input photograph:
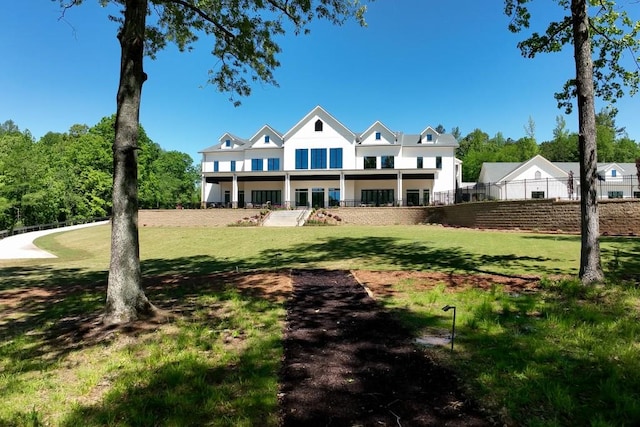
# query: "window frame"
{"type": "Point", "coordinates": [302, 158]}
{"type": "Point", "coordinates": [387, 162]}
{"type": "Point", "coordinates": [335, 158]}
{"type": "Point", "coordinates": [367, 161]}
{"type": "Point", "coordinates": [318, 158]}
{"type": "Point", "coordinates": [257, 165]}
{"type": "Point", "coordinates": [273, 164]}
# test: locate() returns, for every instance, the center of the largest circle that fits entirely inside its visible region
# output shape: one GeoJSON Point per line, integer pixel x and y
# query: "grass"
{"type": "Point", "coordinates": [560, 356]}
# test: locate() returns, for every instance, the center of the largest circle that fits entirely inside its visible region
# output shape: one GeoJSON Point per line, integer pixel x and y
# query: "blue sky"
{"type": "Point", "coordinates": [418, 63]}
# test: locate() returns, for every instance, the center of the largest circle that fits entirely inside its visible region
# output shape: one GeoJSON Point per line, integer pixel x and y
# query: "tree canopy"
{"type": "Point", "coordinates": [68, 176]}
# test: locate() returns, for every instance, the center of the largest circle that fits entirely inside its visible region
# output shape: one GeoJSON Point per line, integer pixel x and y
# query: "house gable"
{"type": "Point", "coordinates": [429, 136]}
{"type": "Point", "coordinates": [377, 134]}
{"type": "Point", "coordinates": [317, 124]}
{"type": "Point", "coordinates": [266, 137]}
{"type": "Point", "coordinates": [535, 168]}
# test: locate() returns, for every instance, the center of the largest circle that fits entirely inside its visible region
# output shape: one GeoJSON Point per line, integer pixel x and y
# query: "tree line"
{"type": "Point", "coordinates": [69, 176]}
{"type": "Point", "coordinates": [613, 145]}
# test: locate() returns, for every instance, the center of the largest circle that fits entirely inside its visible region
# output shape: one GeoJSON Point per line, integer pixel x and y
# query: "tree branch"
{"type": "Point", "coordinates": [228, 34]}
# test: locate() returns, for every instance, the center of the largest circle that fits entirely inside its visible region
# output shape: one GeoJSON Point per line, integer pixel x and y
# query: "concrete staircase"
{"type": "Point", "coordinates": [287, 218]}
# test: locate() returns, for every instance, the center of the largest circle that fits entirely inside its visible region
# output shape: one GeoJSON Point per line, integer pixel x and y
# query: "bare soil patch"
{"type": "Point", "coordinates": [347, 362]}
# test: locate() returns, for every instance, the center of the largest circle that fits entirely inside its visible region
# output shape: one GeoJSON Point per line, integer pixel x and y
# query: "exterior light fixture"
{"type": "Point", "coordinates": [453, 327]}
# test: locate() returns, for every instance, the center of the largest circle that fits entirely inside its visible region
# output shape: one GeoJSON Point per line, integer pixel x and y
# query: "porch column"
{"type": "Point", "coordinates": [287, 191]}
{"type": "Point", "coordinates": [234, 192]}
{"type": "Point", "coordinates": [203, 202]}
{"type": "Point", "coordinates": [342, 189]}
{"type": "Point", "coordinates": [399, 180]}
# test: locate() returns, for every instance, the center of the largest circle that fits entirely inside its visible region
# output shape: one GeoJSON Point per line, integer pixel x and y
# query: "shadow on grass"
{"type": "Point", "coordinates": [413, 256]}
{"type": "Point", "coordinates": [190, 392]}
{"type": "Point", "coordinates": [564, 356]}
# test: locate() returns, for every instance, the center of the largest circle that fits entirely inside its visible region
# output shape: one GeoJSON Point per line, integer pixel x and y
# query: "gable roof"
{"type": "Point", "coordinates": [377, 125]}
{"type": "Point", "coordinates": [266, 130]}
{"type": "Point", "coordinates": [501, 171]}
{"type": "Point", "coordinates": [325, 116]}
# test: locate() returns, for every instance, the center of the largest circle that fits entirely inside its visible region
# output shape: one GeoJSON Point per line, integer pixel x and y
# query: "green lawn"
{"type": "Point", "coordinates": [560, 356]}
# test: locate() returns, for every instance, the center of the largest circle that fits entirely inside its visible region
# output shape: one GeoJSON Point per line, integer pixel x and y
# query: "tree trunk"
{"type": "Point", "coordinates": [126, 300]}
{"type": "Point", "coordinates": [590, 269]}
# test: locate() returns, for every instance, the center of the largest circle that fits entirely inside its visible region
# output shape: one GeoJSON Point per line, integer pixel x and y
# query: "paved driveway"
{"type": "Point", "coordinates": [21, 246]}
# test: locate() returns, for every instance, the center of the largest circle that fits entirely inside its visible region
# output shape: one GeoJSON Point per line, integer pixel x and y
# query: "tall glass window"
{"type": "Point", "coordinates": [438, 162]}
{"type": "Point", "coordinates": [369, 162]}
{"type": "Point", "coordinates": [233, 165]}
{"type": "Point", "coordinates": [273, 164]}
{"type": "Point", "coordinates": [413, 198]}
{"type": "Point", "coordinates": [256, 164]}
{"type": "Point", "coordinates": [317, 197]}
{"type": "Point", "coordinates": [302, 158]}
{"type": "Point", "coordinates": [302, 197]}
{"type": "Point", "coordinates": [335, 158]}
{"type": "Point", "coordinates": [318, 158]}
{"type": "Point", "coordinates": [377, 197]}
{"type": "Point", "coordinates": [274, 197]}
{"type": "Point", "coordinates": [387, 162]}
{"type": "Point", "coordinates": [420, 162]}
{"type": "Point", "coordinates": [334, 197]}
{"type": "Point", "coordinates": [216, 166]}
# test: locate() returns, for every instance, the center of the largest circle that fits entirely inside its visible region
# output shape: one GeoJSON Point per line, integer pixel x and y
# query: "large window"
{"type": "Point", "coordinates": [302, 158]}
{"type": "Point", "coordinates": [318, 158]}
{"type": "Point", "coordinates": [302, 197]}
{"type": "Point", "coordinates": [537, 194]}
{"type": "Point", "coordinates": [256, 164]}
{"type": "Point", "coordinates": [334, 197]}
{"type": "Point", "coordinates": [233, 165]}
{"type": "Point", "coordinates": [317, 197]}
{"type": "Point", "coordinates": [413, 198]}
{"type": "Point", "coordinates": [273, 164]}
{"type": "Point", "coordinates": [615, 194]}
{"type": "Point", "coordinates": [377, 197]}
{"type": "Point", "coordinates": [419, 162]}
{"type": "Point", "coordinates": [369, 162]}
{"type": "Point", "coordinates": [261, 197]}
{"type": "Point", "coordinates": [386, 162]}
{"type": "Point", "coordinates": [438, 162]}
{"type": "Point", "coordinates": [335, 158]}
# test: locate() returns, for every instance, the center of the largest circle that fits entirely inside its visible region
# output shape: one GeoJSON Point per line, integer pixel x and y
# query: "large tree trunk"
{"type": "Point", "coordinates": [126, 300]}
{"type": "Point", "coordinates": [590, 269]}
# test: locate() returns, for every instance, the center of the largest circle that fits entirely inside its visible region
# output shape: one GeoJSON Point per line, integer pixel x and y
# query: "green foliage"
{"type": "Point", "coordinates": [615, 40]}
{"type": "Point", "coordinates": [66, 176]}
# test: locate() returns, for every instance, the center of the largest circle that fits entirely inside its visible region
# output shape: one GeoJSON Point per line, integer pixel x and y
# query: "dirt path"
{"type": "Point", "coordinates": [348, 363]}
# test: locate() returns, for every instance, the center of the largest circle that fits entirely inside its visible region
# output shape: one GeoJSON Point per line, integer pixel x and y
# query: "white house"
{"type": "Point", "coordinates": [540, 178]}
{"type": "Point", "coordinates": [320, 162]}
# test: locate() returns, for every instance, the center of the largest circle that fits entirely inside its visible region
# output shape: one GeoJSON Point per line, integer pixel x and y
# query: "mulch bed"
{"type": "Point", "coordinates": [347, 362]}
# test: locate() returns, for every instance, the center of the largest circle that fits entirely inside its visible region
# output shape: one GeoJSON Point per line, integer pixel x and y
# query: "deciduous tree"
{"type": "Point", "coordinates": [600, 29]}
{"type": "Point", "coordinates": [243, 36]}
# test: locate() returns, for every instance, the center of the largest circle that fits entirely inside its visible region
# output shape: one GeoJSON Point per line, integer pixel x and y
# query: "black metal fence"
{"type": "Point", "coordinates": [21, 230]}
{"type": "Point", "coordinates": [620, 187]}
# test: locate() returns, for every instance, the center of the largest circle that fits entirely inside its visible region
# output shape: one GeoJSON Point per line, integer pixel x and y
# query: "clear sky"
{"type": "Point", "coordinates": [418, 63]}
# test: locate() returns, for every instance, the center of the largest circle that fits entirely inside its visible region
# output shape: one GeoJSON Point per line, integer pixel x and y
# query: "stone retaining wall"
{"type": "Point", "coordinates": [617, 217]}
{"type": "Point", "coordinates": [193, 217]}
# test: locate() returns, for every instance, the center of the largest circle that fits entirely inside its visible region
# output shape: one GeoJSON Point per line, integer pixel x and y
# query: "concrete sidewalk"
{"type": "Point", "coordinates": [21, 246]}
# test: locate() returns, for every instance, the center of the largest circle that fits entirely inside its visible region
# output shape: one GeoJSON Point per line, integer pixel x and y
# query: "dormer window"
{"type": "Point", "coordinates": [614, 173]}
{"type": "Point", "coordinates": [378, 136]}
{"type": "Point", "coordinates": [429, 137]}
{"type": "Point", "coordinates": [227, 143]}
{"type": "Point", "coordinates": [319, 125]}
{"type": "Point", "coordinates": [538, 175]}
{"type": "Point", "coordinates": [266, 139]}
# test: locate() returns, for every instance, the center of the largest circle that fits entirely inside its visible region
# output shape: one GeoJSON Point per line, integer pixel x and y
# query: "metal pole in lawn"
{"type": "Point", "coordinates": [453, 327]}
